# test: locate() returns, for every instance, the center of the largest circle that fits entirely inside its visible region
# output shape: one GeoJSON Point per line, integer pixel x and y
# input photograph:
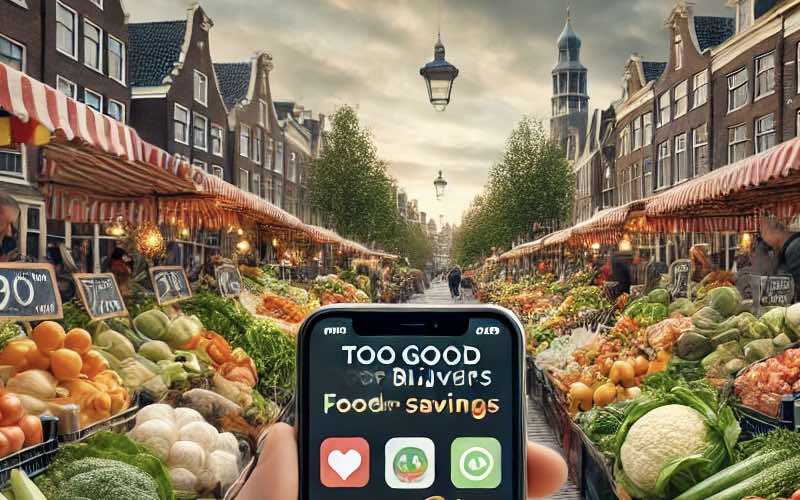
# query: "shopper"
{"type": "Point", "coordinates": [454, 281]}
{"type": "Point", "coordinates": [119, 265]}
{"type": "Point", "coordinates": [9, 213]}
{"type": "Point", "coordinates": [785, 244]}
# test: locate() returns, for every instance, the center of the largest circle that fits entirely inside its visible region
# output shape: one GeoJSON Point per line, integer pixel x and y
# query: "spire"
{"type": "Point", "coordinates": [568, 38]}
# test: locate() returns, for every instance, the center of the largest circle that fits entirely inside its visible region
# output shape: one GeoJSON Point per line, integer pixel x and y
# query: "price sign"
{"type": "Point", "coordinates": [100, 295]}
{"type": "Point", "coordinates": [28, 292]}
{"type": "Point", "coordinates": [772, 291]}
{"type": "Point", "coordinates": [680, 273]}
{"type": "Point", "coordinates": [229, 281]}
{"type": "Point", "coordinates": [170, 284]}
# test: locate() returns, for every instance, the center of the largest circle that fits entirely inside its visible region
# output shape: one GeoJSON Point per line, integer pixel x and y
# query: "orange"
{"type": "Point", "coordinates": [93, 363]}
{"type": "Point", "coordinates": [37, 360]}
{"type": "Point", "coordinates": [48, 336]}
{"type": "Point", "coordinates": [15, 351]}
{"type": "Point", "coordinates": [79, 340]}
{"type": "Point", "coordinates": [66, 364]}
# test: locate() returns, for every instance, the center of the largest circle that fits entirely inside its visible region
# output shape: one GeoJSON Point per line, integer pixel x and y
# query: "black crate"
{"type": "Point", "coordinates": [35, 459]}
{"type": "Point", "coordinates": [121, 422]}
{"type": "Point", "coordinates": [573, 451]}
{"type": "Point", "coordinates": [754, 422]}
{"type": "Point", "coordinates": [598, 480]}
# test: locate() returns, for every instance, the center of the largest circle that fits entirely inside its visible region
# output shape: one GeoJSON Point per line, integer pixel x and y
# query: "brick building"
{"type": "Point", "coordinates": [176, 102]}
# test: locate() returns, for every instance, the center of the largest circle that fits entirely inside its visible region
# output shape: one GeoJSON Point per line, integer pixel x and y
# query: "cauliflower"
{"type": "Point", "coordinates": [222, 468]}
{"type": "Point", "coordinates": [666, 433]}
{"type": "Point", "coordinates": [155, 412]}
{"type": "Point", "coordinates": [227, 442]}
{"type": "Point", "coordinates": [157, 434]}
{"type": "Point", "coordinates": [201, 433]}
{"type": "Point", "coordinates": [185, 416]}
{"type": "Point", "coordinates": [187, 455]}
{"type": "Point", "coordinates": [183, 480]}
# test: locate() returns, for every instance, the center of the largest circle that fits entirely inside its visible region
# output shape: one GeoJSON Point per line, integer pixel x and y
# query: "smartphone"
{"type": "Point", "coordinates": [411, 403]}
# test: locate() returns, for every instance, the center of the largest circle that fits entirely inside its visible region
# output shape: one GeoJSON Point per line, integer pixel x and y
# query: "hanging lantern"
{"type": "Point", "coordinates": [116, 229]}
{"type": "Point", "coordinates": [243, 247]}
{"type": "Point", "coordinates": [275, 242]}
{"type": "Point", "coordinates": [440, 184]}
{"type": "Point", "coordinates": [149, 240]}
{"type": "Point", "coordinates": [439, 76]}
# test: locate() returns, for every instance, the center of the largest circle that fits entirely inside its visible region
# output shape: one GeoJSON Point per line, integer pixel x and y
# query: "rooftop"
{"type": "Point", "coordinates": [234, 81]}
{"type": "Point", "coordinates": [712, 31]}
{"type": "Point", "coordinates": [153, 50]}
{"type": "Point", "coordinates": [653, 70]}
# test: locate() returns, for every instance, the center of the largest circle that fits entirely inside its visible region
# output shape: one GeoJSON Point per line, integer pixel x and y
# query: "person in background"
{"type": "Point", "coordinates": [785, 244]}
{"type": "Point", "coordinates": [119, 265]}
{"type": "Point", "coordinates": [621, 273]}
{"type": "Point", "coordinates": [454, 282]}
{"type": "Point", "coordinates": [9, 213]}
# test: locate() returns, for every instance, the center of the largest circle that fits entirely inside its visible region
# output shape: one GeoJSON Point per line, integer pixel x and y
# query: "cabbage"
{"type": "Point", "coordinates": [775, 319]}
{"type": "Point", "coordinates": [725, 300]}
{"type": "Point", "coordinates": [182, 329]}
{"type": "Point", "coordinates": [156, 351]}
{"type": "Point", "coordinates": [152, 323]}
{"type": "Point", "coordinates": [793, 322]}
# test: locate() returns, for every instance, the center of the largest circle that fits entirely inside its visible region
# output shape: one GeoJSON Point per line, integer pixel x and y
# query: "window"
{"type": "Point", "coordinates": [33, 216]}
{"type": "Point", "coordinates": [662, 167]}
{"type": "Point", "coordinates": [624, 141]}
{"type": "Point", "coordinates": [678, 52]}
{"type": "Point", "coordinates": [66, 30]}
{"type": "Point", "coordinates": [217, 139]}
{"type": "Point", "coordinates": [263, 113]}
{"type": "Point", "coordinates": [258, 146]}
{"type": "Point", "coordinates": [66, 87]}
{"type": "Point", "coordinates": [608, 188]}
{"type": "Point", "coordinates": [681, 98]}
{"type": "Point", "coordinates": [699, 149]}
{"type": "Point", "coordinates": [244, 141]}
{"type": "Point", "coordinates": [92, 46]}
{"type": "Point", "coordinates": [11, 164]}
{"type": "Point", "coordinates": [647, 129]}
{"type": "Point", "coordinates": [200, 135]}
{"type": "Point", "coordinates": [244, 179]}
{"type": "Point", "coordinates": [116, 110]}
{"type": "Point", "coordinates": [200, 88]}
{"type": "Point", "coordinates": [201, 165]}
{"type": "Point", "coordinates": [116, 59]}
{"type": "Point", "coordinates": [267, 189]}
{"type": "Point", "coordinates": [681, 163]}
{"type": "Point", "coordinates": [765, 133]}
{"type": "Point", "coordinates": [737, 89]}
{"type": "Point", "coordinates": [217, 171]}
{"type": "Point", "coordinates": [279, 158]}
{"type": "Point", "coordinates": [700, 89]}
{"type": "Point", "coordinates": [744, 15]}
{"type": "Point", "coordinates": [93, 100]}
{"type": "Point", "coordinates": [647, 177]}
{"type": "Point", "coordinates": [737, 143]}
{"type": "Point", "coordinates": [270, 150]}
{"type": "Point", "coordinates": [12, 54]}
{"type": "Point", "coordinates": [637, 133]}
{"type": "Point", "coordinates": [663, 109]}
{"type": "Point", "coordinates": [292, 170]}
{"type": "Point", "coordinates": [765, 75]}
{"type": "Point", "coordinates": [181, 122]}
{"type": "Point", "coordinates": [257, 186]}
{"type": "Point", "coordinates": [278, 195]}
{"type": "Point", "coordinates": [636, 182]}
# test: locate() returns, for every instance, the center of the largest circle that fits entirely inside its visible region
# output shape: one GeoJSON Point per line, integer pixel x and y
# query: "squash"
{"type": "Point", "coordinates": [622, 372]}
{"type": "Point", "coordinates": [605, 394]}
{"type": "Point", "coordinates": [640, 365]}
{"type": "Point", "coordinates": [581, 394]}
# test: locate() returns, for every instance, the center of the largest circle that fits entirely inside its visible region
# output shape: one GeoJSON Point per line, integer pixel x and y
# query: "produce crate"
{"type": "Point", "coordinates": [573, 451]}
{"type": "Point", "coordinates": [529, 379]}
{"type": "Point", "coordinates": [536, 381]}
{"type": "Point", "coordinates": [754, 422]}
{"type": "Point", "coordinates": [598, 480]}
{"type": "Point", "coordinates": [34, 459]}
{"type": "Point", "coordinates": [121, 422]}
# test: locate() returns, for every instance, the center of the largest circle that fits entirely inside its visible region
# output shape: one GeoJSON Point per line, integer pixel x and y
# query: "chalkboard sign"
{"type": "Point", "coordinates": [772, 291]}
{"type": "Point", "coordinates": [680, 273]}
{"type": "Point", "coordinates": [100, 295]}
{"type": "Point", "coordinates": [170, 284]}
{"type": "Point", "coordinates": [28, 292]}
{"type": "Point", "coordinates": [229, 281]}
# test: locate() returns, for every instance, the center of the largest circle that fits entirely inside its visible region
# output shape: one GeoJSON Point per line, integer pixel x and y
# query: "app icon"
{"type": "Point", "coordinates": [410, 463]}
{"type": "Point", "coordinates": [344, 462]}
{"type": "Point", "coordinates": [475, 463]}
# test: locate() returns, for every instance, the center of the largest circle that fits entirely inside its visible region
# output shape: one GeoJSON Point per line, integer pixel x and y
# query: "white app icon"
{"type": "Point", "coordinates": [410, 463]}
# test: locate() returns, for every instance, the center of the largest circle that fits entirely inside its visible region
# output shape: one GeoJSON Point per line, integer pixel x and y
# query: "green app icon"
{"type": "Point", "coordinates": [475, 463]}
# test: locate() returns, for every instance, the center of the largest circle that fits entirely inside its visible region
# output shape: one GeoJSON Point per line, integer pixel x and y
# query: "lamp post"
{"type": "Point", "coordinates": [439, 74]}
{"type": "Point", "coordinates": [439, 184]}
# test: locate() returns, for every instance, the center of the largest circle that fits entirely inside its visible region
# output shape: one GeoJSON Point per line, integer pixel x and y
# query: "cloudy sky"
{"type": "Point", "coordinates": [367, 53]}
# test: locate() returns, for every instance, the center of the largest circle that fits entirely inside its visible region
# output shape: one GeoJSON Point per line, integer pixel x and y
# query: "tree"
{"type": "Point", "coordinates": [532, 183]}
{"type": "Point", "coordinates": [349, 183]}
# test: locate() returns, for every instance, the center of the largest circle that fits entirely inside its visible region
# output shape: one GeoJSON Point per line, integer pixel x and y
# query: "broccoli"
{"type": "Point", "coordinates": [99, 479]}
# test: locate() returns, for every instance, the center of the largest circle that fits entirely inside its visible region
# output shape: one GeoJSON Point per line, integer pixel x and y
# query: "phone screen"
{"type": "Point", "coordinates": [432, 411]}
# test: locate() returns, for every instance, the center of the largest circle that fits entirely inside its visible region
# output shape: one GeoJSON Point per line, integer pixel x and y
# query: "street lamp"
{"type": "Point", "coordinates": [440, 184]}
{"type": "Point", "coordinates": [439, 74]}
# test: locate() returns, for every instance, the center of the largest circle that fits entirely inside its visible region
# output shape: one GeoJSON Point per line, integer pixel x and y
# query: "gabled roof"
{"type": "Point", "coordinates": [712, 31]}
{"type": "Point", "coordinates": [153, 49]}
{"type": "Point", "coordinates": [653, 70]}
{"type": "Point", "coordinates": [234, 81]}
{"type": "Point", "coordinates": [284, 109]}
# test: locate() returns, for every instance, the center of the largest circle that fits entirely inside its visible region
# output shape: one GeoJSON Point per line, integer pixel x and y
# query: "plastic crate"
{"type": "Point", "coordinates": [35, 459]}
{"type": "Point", "coordinates": [754, 422]}
{"type": "Point", "coordinates": [121, 422]}
{"type": "Point", "coordinates": [598, 480]}
{"type": "Point", "coordinates": [573, 450]}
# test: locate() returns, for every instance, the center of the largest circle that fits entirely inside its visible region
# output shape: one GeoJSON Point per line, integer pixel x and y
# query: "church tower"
{"type": "Point", "coordinates": [570, 98]}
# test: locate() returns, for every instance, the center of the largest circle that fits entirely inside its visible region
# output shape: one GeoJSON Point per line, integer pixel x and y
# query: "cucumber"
{"type": "Point", "coordinates": [733, 474]}
{"type": "Point", "coordinates": [726, 336]}
{"type": "Point", "coordinates": [773, 481]}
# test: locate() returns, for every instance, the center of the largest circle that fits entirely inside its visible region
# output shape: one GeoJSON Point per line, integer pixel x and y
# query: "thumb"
{"type": "Point", "coordinates": [547, 471]}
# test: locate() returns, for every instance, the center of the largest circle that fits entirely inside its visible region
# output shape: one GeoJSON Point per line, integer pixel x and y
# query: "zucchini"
{"type": "Point", "coordinates": [780, 479]}
{"type": "Point", "coordinates": [733, 474]}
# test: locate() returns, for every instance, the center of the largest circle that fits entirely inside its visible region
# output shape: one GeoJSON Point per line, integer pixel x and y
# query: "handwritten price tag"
{"type": "Point", "coordinates": [229, 281]}
{"type": "Point", "coordinates": [100, 295]}
{"type": "Point", "coordinates": [170, 284]}
{"type": "Point", "coordinates": [28, 292]}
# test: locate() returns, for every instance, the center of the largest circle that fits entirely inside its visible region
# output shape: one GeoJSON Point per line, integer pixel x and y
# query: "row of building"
{"type": "Point", "coordinates": [729, 89]}
{"type": "Point", "coordinates": [160, 78]}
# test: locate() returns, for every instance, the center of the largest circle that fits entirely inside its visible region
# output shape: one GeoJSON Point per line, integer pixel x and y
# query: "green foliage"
{"type": "Point", "coordinates": [532, 183]}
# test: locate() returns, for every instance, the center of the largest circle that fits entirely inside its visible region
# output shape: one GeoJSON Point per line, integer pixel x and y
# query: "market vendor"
{"type": "Point", "coordinates": [9, 213]}
{"type": "Point", "coordinates": [786, 244]}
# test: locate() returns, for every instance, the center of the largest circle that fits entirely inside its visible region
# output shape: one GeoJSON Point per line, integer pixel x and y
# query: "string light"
{"type": "Point", "coordinates": [149, 240]}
